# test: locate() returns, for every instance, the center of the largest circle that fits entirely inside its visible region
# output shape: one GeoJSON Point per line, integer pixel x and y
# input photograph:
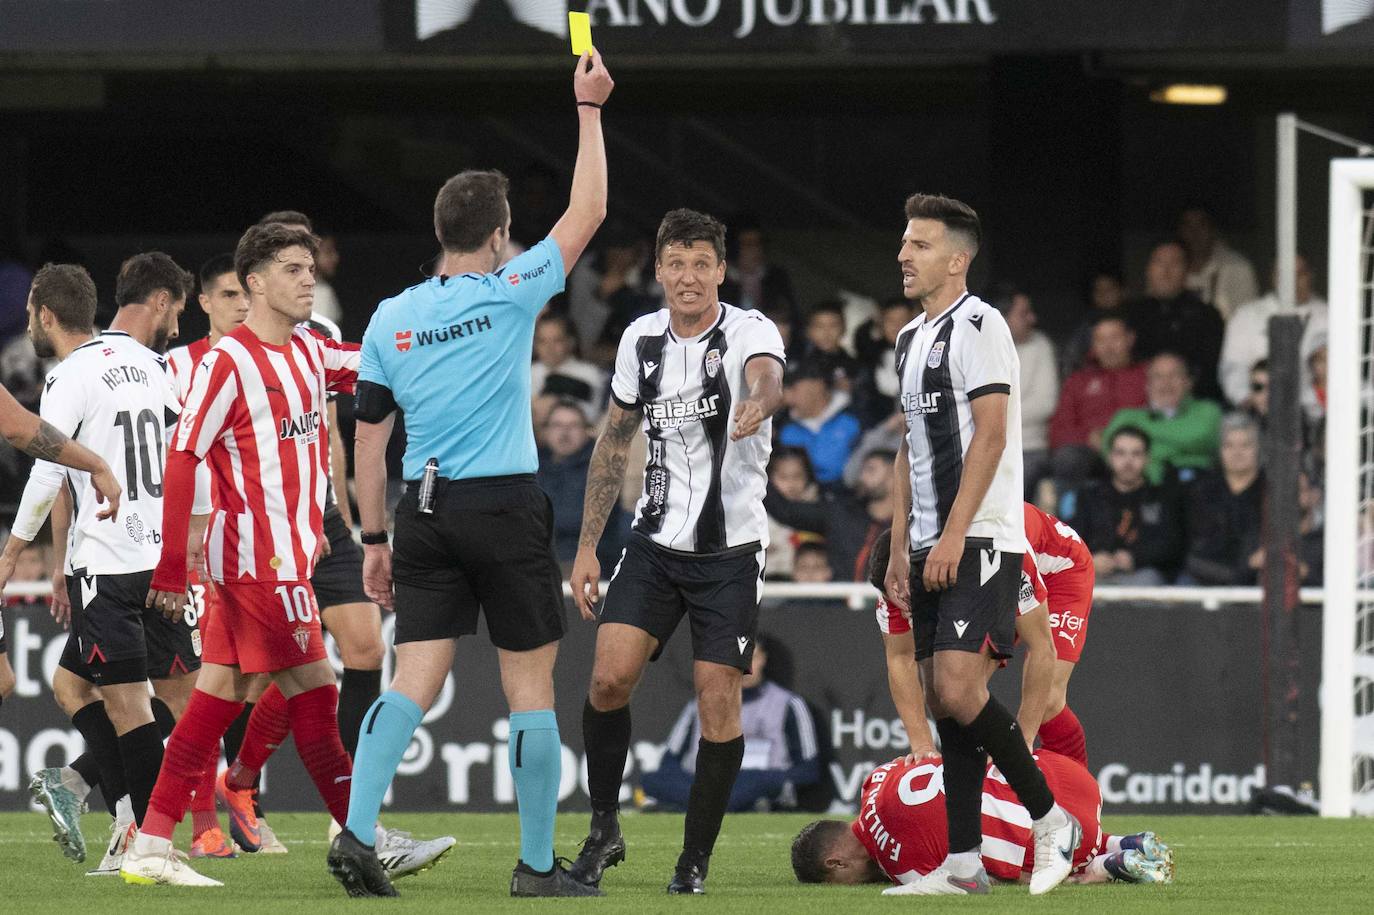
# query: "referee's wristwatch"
{"type": "Point", "coordinates": [374, 538]}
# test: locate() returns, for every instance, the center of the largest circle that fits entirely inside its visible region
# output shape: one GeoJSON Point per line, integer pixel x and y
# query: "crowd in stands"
{"type": "Point", "coordinates": [1140, 425]}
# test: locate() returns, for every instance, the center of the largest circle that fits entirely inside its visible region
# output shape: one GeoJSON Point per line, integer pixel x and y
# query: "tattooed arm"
{"type": "Point", "coordinates": [605, 478]}
{"type": "Point", "coordinates": [40, 439]}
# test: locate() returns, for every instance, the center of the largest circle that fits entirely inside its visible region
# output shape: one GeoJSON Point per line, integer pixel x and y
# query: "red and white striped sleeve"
{"type": "Point", "coordinates": [340, 361]}
{"type": "Point", "coordinates": [209, 406]}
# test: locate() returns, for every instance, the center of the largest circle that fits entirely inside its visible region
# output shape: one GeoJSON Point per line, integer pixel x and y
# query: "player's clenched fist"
{"type": "Point", "coordinates": [591, 80]}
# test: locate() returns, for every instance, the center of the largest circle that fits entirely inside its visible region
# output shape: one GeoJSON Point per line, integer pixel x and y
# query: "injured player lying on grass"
{"type": "Point", "coordinates": [900, 833]}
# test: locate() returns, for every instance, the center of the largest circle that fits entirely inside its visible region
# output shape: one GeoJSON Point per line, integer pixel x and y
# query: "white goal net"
{"type": "Point", "coordinates": [1347, 752]}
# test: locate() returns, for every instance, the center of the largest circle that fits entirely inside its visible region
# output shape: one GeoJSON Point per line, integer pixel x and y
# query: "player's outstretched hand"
{"type": "Point", "coordinates": [377, 574]}
{"type": "Point", "coordinates": [60, 604]}
{"type": "Point", "coordinates": [918, 756]}
{"type": "Point", "coordinates": [171, 604]}
{"type": "Point", "coordinates": [591, 80]}
{"type": "Point", "coordinates": [107, 491]}
{"type": "Point", "coordinates": [942, 564]}
{"type": "Point", "coordinates": [586, 582]}
{"type": "Point", "coordinates": [748, 417]}
{"type": "Point", "coordinates": [897, 583]}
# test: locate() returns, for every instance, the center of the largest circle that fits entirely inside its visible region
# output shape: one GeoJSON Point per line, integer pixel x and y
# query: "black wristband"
{"type": "Point", "coordinates": [372, 538]}
{"type": "Point", "coordinates": [596, 105]}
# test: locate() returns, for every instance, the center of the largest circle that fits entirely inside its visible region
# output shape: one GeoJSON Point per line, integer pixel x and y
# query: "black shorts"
{"type": "Point", "coordinates": [487, 548]}
{"type": "Point", "coordinates": [115, 639]}
{"type": "Point", "coordinates": [652, 587]}
{"type": "Point", "coordinates": [338, 577]}
{"type": "Point", "coordinates": [979, 610]}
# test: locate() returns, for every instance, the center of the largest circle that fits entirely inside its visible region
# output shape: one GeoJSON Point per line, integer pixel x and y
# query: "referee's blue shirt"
{"type": "Point", "coordinates": [456, 355]}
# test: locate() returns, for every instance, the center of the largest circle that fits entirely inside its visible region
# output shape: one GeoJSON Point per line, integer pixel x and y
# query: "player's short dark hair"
{"type": "Point", "coordinates": [1129, 430]}
{"type": "Point", "coordinates": [878, 559]}
{"type": "Point", "coordinates": [810, 847]}
{"type": "Point", "coordinates": [144, 274]}
{"type": "Point", "coordinates": [261, 243]}
{"type": "Point", "coordinates": [469, 207]}
{"type": "Point", "coordinates": [67, 291]}
{"type": "Point", "coordinates": [288, 218]}
{"type": "Point", "coordinates": [956, 215]}
{"type": "Point", "coordinates": [684, 227]}
{"type": "Point", "coordinates": [215, 268]}
{"type": "Point", "coordinates": [827, 307]}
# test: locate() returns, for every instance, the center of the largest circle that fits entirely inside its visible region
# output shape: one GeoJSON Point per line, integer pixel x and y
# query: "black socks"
{"type": "Point", "coordinates": [997, 731]}
{"type": "Point", "coordinates": [358, 690]}
{"type": "Point", "coordinates": [606, 737]}
{"type": "Point", "coordinates": [141, 751]}
{"type": "Point", "coordinates": [102, 746]}
{"type": "Point", "coordinates": [965, 766]}
{"type": "Point", "coordinates": [717, 766]}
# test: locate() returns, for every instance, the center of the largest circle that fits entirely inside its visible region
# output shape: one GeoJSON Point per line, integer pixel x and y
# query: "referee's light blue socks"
{"type": "Point", "coordinates": [382, 742]}
{"type": "Point", "coordinates": [536, 764]}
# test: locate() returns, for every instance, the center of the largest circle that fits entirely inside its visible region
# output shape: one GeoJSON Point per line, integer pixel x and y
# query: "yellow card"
{"type": "Point", "coordinates": [580, 30]}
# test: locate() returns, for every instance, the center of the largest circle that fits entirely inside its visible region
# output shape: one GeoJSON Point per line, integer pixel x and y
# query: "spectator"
{"type": "Point", "coordinates": [1225, 509]}
{"type": "Point", "coordinates": [850, 522]}
{"type": "Point", "coordinates": [1247, 332]}
{"type": "Point", "coordinates": [781, 752]}
{"type": "Point", "coordinates": [1132, 526]}
{"type": "Point", "coordinates": [1311, 533]}
{"type": "Point", "coordinates": [812, 565]}
{"type": "Point", "coordinates": [558, 374]}
{"type": "Point", "coordinates": [563, 464]}
{"type": "Point", "coordinates": [1221, 277]}
{"type": "Point", "coordinates": [609, 290]}
{"type": "Point", "coordinates": [877, 391]}
{"type": "Point", "coordinates": [825, 345]}
{"type": "Point", "coordinates": [1314, 392]}
{"type": "Point", "coordinates": [819, 422]}
{"type": "Point", "coordinates": [1171, 317]}
{"type": "Point", "coordinates": [1039, 383]}
{"type": "Point", "coordinates": [1256, 402]}
{"type": "Point", "coordinates": [1108, 382]}
{"type": "Point", "coordinates": [326, 268]}
{"type": "Point", "coordinates": [1105, 296]}
{"type": "Point", "coordinates": [789, 474]}
{"type": "Point", "coordinates": [1183, 429]}
{"type": "Point", "coordinates": [751, 281]}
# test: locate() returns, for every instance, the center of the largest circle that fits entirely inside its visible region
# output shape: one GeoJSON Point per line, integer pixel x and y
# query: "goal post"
{"type": "Point", "coordinates": [1347, 725]}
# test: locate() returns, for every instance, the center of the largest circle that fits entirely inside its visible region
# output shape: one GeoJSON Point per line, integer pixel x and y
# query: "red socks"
{"type": "Point", "coordinates": [186, 759]}
{"type": "Point", "coordinates": [268, 725]}
{"type": "Point", "coordinates": [1064, 735]}
{"type": "Point", "coordinates": [203, 816]}
{"type": "Point", "coordinates": [315, 724]}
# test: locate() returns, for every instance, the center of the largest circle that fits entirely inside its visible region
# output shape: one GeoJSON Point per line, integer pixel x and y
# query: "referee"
{"type": "Point", "coordinates": [473, 531]}
{"type": "Point", "coordinates": [958, 539]}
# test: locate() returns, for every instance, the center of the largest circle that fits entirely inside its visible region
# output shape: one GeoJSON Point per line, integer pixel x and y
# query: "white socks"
{"type": "Point", "coordinates": [965, 864]}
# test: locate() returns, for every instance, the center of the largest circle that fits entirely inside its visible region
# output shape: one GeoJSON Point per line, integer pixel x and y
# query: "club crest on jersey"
{"type": "Point", "coordinates": [195, 641]}
{"type": "Point", "coordinates": [302, 637]}
{"type": "Point", "coordinates": [937, 354]}
{"type": "Point", "coordinates": [712, 363]}
{"type": "Point", "coordinates": [306, 426]}
{"type": "Point", "coordinates": [403, 341]}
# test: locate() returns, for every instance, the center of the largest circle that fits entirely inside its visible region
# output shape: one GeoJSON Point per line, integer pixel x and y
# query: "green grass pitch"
{"type": "Point", "coordinates": [1247, 865]}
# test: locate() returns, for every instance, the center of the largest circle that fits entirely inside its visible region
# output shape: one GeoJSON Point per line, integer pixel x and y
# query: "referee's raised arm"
{"type": "Point", "coordinates": [592, 85]}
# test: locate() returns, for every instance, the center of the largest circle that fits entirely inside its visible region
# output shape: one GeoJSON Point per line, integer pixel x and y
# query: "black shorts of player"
{"type": "Point", "coordinates": [338, 577]}
{"type": "Point", "coordinates": [115, 639]}
{"type": "Point", "coordinates": [652, 587]}
{"type": "Point", "coordinates": [979, 611]}
{"type": "Point", "coordinates": [486, 548]}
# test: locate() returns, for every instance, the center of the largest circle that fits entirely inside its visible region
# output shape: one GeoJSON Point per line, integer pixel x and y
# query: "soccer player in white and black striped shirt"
{"type": "Point", "coordinates": [703, 378]}
{"type": "Point", "coordinates": [958, 537]}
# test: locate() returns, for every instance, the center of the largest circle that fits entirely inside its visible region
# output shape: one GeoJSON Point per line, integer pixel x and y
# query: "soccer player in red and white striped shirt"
{"type": "Point", "coordinates": [255, 412]}
{"type": "Point", "coordinates": [900, 833]}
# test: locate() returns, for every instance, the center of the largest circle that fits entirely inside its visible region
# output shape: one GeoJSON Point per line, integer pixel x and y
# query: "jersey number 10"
{"type": "Point", "coordinates": [139, 454]}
